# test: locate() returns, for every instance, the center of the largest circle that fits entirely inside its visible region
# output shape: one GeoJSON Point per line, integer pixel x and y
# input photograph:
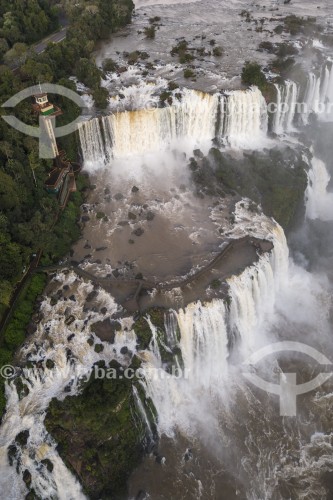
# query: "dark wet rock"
{"type": "Point", "coordinates": [104, 310]}
{"type": "Point", "coordinates": [88, 256]}
{"type": "Point", "coordinates": [75, 263]}
{"type": "Point", "coordinates": [100, 249]}
{"type": "Point", "coordinates": [116, 273]}
{"type": "Point", "coordinates": [131, 216]}
{"type": "Point", "coordinates": [31, 328]}
{"type": "Point", "coordinates": [22, 438]}
{"type": "Point", "coordinates": [150, 215]}
{"type": "Point", "coordinates": [69, 354]}
{"type": "Point", "coordinates": [85, 218]}
{"type": "Point", "coordinates": [48, 464]}
{"type": "Point", "coordinates": [142, 495]}
{"type": "Point", "coordinates": [98, 261]}
{"type": "Point", "coordinates": [198, 153]}
{"type": "Point", "coordinates": [53, 301]}
{"type": "Point", "coordinates": [67, 312]}
{"type": "Point", "coordinates": [12, 452]}
{"type": "Point", "coordinates": [99, 348]}
{"type": "Point", "coordinates": [131, 242]}
{"type": "Point", "coordinates": [70, 320]}
{"type": "Point", "coordinates": [188, 455]}
{"type": "Point", "coordinates": [135, 189]}
{"type": "Point", "coordinates": [139, 276]}
{"type": "Point", "coordinates": [107, 190]}
{"type": "Point", "coordinates": [159, 459]}
{"type": "Point", "coordinates": [91, 296]}
{"type": "Point", "coordinates": [49, 364]}
{"type": "Point", "coordinates": [68, 388]}
{"type": "Point", "coordinates": [27, 477]}
{"type": "Point", "coordinates": [22, 389]}
{"type": "Point", "coordinates": [124, 350]}
{"type": "Point", "coordinates": [31, 495]}
{"type": "Point", "coordinates": [72, 297]}
{"type": "Point", "coordinates": [123, 223]}
{"type": "Point", "coordinates": [118, 196]}
{"type": "Point", "coordinates": [70, 337]}
{"type": "Point", "coordinates": [86, 247]}
{"type": "Point", "coordinates": [139, 231]}
{"type": "Point", "coordinates": [105, 330]}
{"type": "Point", "coordinates": [90, 341]}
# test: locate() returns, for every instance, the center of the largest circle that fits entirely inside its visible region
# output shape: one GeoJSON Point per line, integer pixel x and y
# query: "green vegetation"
{"type": "Point", "coordinates": [181, 49]}
{"type": "Point", "coordinates": [216, 284]}
{"type": "Point", "coordinates": [110, 65]}
{"type": "Point", "coordinates": [189, 73]}
{"type": "Point", "coordinates": [30, 218]}
{"type": "Point", "coordinates": [218, 51]}
{"type": "Point", "coordinates": [27, 22]}
{"type": "Point", "coordinates": [283, 66]}
{"type": "Point", "coordinates": [286, 49]}
{"type": "Point", "coordinates": [154, 20]}
{"type": "Point", "coordinates": [27, 212]}
{"type": "Point", "coordinates": [296, 25]}
{"type": "Point", "coordinates": [268, 46]}
{"type": "Point", "coordinates": [252, 74]}
{"type": "Point", "coordinates": [144, 335]}
{"type": "Point", "coordinates": [15, 331]}
{"type": "Point", "coordinates": [98, 433]}
{"type": "Point", "coordinates": [275, 179]}
{"type": "Point", "coordinates": [150, 32]}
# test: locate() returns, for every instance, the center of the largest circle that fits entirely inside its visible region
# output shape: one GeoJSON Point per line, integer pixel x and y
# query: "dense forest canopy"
{"type": "Point", "coordinates": [27, 213]}
{"type": "Point", "coordinates": [26, 21]}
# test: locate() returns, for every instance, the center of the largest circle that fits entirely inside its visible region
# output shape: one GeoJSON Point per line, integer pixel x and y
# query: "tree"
{"type": "Point", "coordinates": [16, 54]}
{"type": "Point", "coordinates": [252, 74]}
{"type": "Point", "coordinates": [150, 32]}
{"type": "Point", "coordinates": [101, 97]}
{"type": "Point", "coordinates": [10, 261]}
{"type": "Point", "coordinates": [36, 71]}
{"type": "Point", "coordinates": [88, 73]}
{"type": "Point", "coordinates": [8, 193]}
{"type": "Point", "coordinates": [4, 47]}
{"type": "Point", "coordinates": [6, 290]}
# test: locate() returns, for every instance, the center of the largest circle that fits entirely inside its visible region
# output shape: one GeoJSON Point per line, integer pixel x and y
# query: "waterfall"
{"type": "Point", "coordinates": [319, 201]}
{"type": "Point", "coordinates": [285, 107]}
{"type": "Point", "coordinates": [240, 117]}
{"type": "Point", "coordinates": [188, 123]}
{"type": "Point", "coordinates": [143, 413]}
{"type": "Point", "coordinates": [28, 412]}
{"type": "Point", "coordinates": [92, 143]}
{"type": "Point", "coordinates": [319, 95]}
{"type": "Point", "coordinates": [206, 333]}
{"type": "Point", "coordinates": [245, 123]}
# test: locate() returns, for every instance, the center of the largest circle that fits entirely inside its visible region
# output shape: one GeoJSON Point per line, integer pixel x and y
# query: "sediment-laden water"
{"type": "Point", "coordinates": [219, 436]}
